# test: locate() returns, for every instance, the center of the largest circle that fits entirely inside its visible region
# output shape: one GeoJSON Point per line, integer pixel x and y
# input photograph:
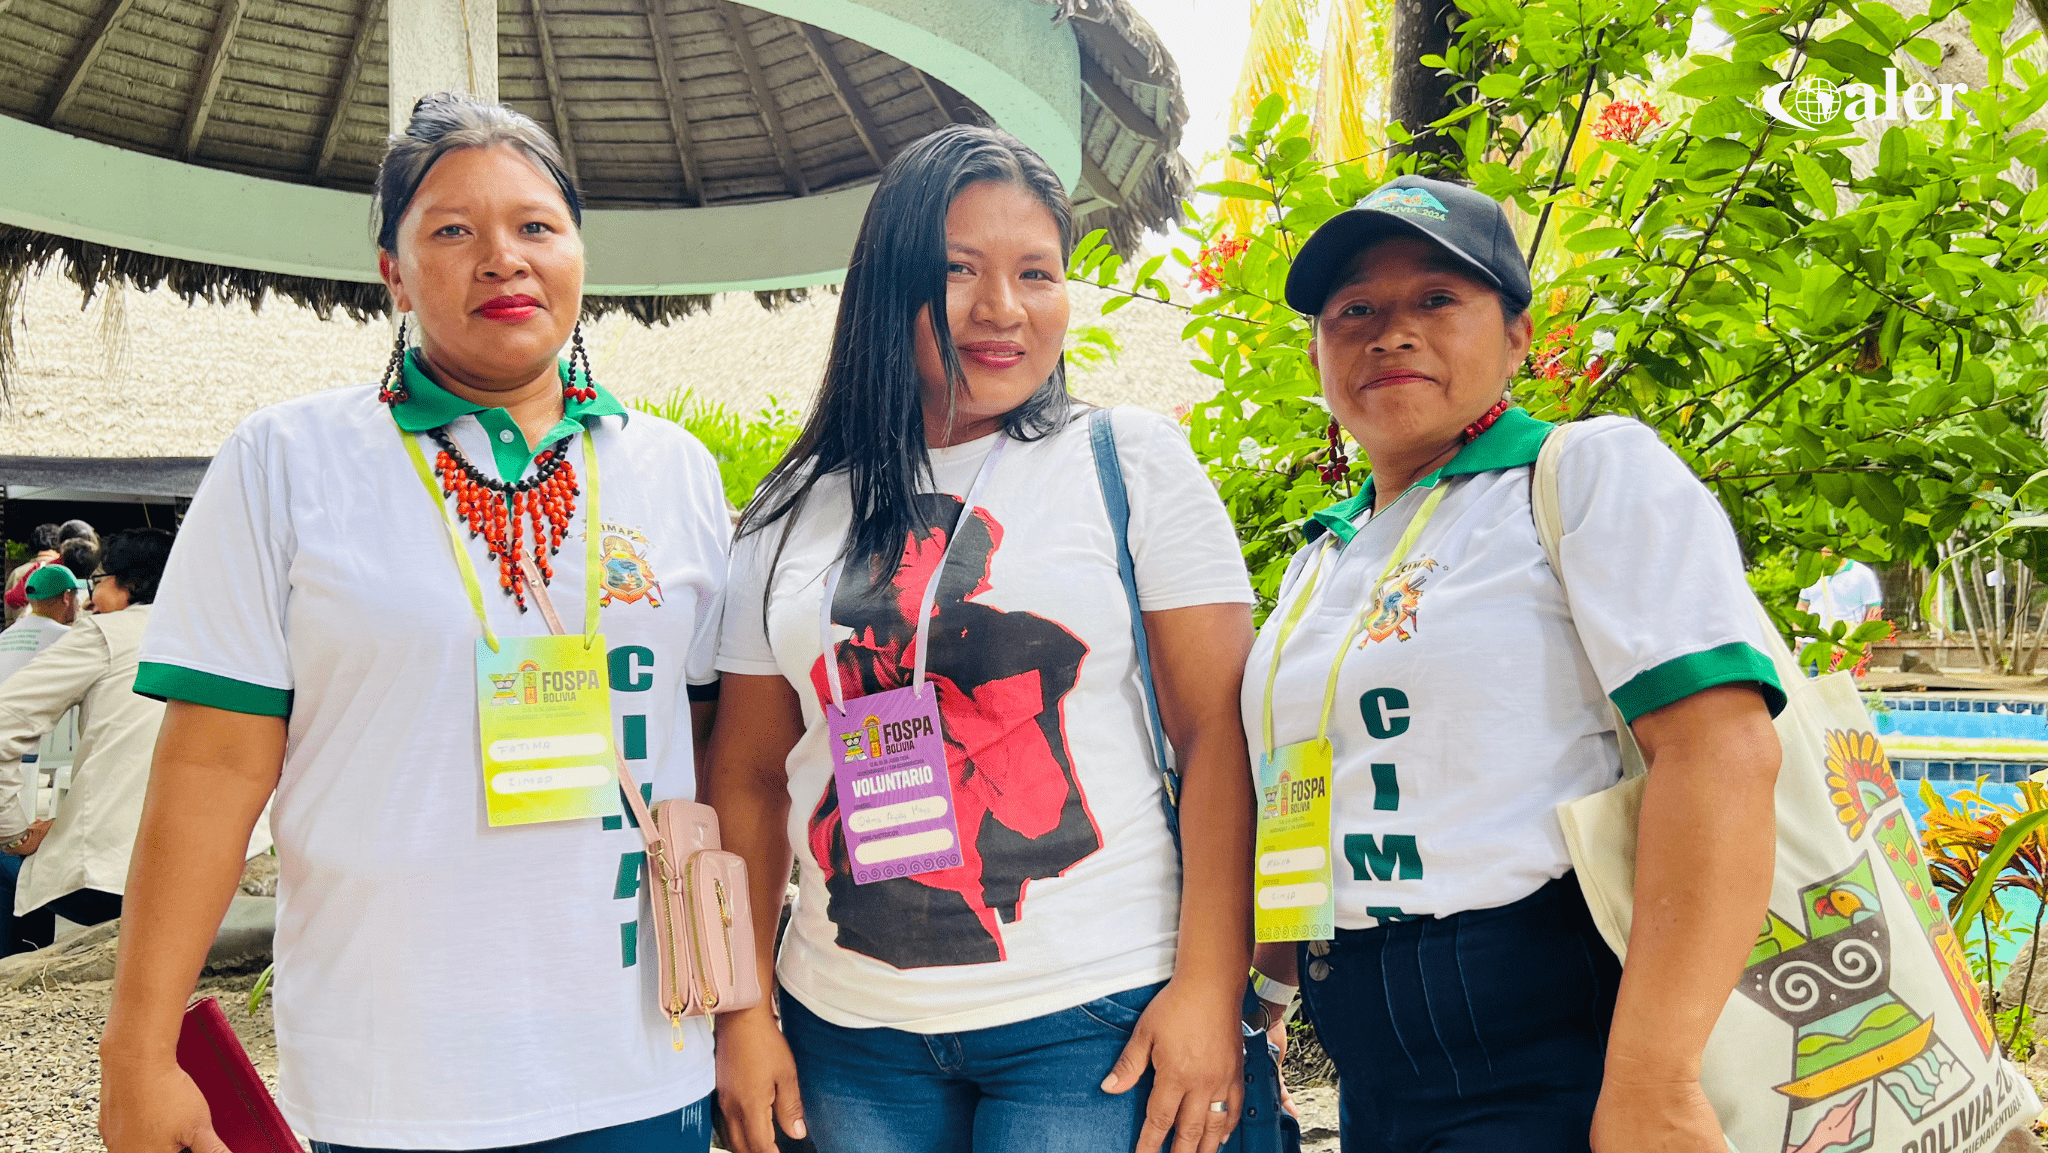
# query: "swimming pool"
{"type": "Point", "coordinates": [1949, 740]}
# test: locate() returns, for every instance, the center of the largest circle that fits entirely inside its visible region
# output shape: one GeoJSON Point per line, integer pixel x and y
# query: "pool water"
{"type": "Point", "coordinates": [1949, 740]}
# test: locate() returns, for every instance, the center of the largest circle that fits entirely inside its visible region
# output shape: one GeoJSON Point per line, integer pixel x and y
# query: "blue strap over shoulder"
{"type": "Point", "coordinates": [1109, 471]}
{"type": "Point", "coordinates": [1264, 1127]}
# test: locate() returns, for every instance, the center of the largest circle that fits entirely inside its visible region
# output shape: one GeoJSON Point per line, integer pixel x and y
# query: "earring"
{"type": "Point", "coordinates": [1336, 464]}
{"type": "Point", "coordinates": [578, 355]}
{"type": "Point", "coordinates": [392, 390]}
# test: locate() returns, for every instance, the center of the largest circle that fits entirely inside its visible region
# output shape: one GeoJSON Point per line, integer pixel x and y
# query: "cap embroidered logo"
{"type": "Point", "coordinates": [1407, 202]}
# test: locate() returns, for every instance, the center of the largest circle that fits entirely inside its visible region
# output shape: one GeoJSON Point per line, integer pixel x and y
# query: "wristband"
{"type": "Point", "coordinates": [16, 841]}
{"type": "Point", "coordinates": [1267, 989]}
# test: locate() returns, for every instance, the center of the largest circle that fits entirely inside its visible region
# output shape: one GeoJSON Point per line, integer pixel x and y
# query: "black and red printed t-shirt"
{"type": "Point", "coordinates": [1069, 885]}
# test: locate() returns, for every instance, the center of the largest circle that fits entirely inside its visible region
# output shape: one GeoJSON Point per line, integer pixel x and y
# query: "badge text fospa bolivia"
{"type": "Point", "coordinates": [545, 714]}
{"type": "Point", "coordinates": [895, 794]}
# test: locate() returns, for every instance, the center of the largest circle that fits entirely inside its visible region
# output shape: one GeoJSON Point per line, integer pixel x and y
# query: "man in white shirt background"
{"type": "Point", "coordinates": [52, 606]}
{"type": "Point", "coordinates": [1851, 593]}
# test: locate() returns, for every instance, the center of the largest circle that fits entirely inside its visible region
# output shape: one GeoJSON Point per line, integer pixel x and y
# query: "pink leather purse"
{"type": "Point", "coordinates": [703, 920]}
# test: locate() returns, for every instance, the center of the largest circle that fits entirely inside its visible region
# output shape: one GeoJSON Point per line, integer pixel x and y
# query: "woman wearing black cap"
{"type": "Point", "coordinates": [1425, 668]}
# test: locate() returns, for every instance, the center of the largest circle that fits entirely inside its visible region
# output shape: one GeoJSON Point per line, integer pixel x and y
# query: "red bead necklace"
{"type": "Point", "coordinates": [1486, 420]}
{"type": "Point", "coordinates": [498, 510]}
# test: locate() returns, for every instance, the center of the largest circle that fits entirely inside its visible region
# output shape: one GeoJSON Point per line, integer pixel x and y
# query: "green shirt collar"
{"type": "Point", "coordinates": [429, 406]}
{"type": "Point", "coordinates": [1513, 441]}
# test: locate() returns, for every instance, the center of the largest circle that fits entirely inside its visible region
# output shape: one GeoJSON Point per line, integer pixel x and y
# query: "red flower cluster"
{"type": "Point", "coordinates": [1553, 360]}
{"type": "Point", "coordinates": [1626, 120]}
{"type": "Point", "coordinates": [1553, 354]}
{"type": "Point", "coordinates": [1869, 652]}
{"type": "Point", "coordinates": [1207, 274]}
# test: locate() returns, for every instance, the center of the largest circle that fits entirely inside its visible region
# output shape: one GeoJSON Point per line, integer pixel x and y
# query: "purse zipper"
{"type": "Point", "coordinates": [725, 922]}
{"type": "Point", "coordinates": [691, 918]}
{"type": "Point", "coordinates": [658, 867]}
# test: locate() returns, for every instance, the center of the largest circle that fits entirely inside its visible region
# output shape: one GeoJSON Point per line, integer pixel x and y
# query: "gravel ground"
{"type": "Point", "coordinates": [50, 1087]}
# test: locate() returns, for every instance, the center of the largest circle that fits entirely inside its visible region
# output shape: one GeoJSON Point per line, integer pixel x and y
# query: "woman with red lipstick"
{"type": "Point", "coordinates": [1425, 665]}
{"type": "Point", "coordinates": [995, 947]}
{"type": "Point", "coordinates": [448, 976]}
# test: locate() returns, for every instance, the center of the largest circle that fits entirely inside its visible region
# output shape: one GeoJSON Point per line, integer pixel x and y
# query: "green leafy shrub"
{"type": "Point", "coordinates": [1846, 351]}
{"type": "Point", "coordinates": [746, 447]}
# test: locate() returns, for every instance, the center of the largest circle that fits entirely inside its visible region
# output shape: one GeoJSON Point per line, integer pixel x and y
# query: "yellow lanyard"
{"type": "Point", "coordinates": [1295, 610]}
{"type": "Point", "coordinates": [475, 588]}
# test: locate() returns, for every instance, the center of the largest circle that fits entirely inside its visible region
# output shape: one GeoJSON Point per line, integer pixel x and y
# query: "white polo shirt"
{"type": "Point", "coordinates": [1847, 594]}
{"type": "Point", "coordinates": [441, 983]}
{"type": "Point", "coordinates": [1478, 700]}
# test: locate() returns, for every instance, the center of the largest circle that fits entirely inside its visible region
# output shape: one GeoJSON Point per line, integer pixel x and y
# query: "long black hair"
{"type": "Point", "coordinates": [869, 418]}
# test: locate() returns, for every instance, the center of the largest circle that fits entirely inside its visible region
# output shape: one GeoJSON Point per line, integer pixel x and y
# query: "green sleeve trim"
{"type": "Point", "coordinates": [176, 683]}
{"type": "Point", "coordinates": [1681, 677]}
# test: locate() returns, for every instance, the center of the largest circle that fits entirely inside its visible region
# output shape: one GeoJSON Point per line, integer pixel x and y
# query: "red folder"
{"type": "Point", "coordinates": [244, 1116]}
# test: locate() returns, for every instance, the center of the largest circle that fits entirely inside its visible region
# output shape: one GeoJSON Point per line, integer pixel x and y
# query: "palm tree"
{"type": "Point", "coordinates": [1344, 82]}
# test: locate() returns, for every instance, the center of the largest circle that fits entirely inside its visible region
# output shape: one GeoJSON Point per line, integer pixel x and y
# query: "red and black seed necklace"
{"type": "Point", "coordinates": [497, 510]}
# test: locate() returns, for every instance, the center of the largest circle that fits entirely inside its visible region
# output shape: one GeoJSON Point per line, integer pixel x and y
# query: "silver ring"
{"type": "Point", "coordinates": [1218, 1107]}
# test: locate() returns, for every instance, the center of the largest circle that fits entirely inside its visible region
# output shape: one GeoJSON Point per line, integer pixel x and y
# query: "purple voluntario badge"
{"type": "Point", "coordinates": [895, 794]}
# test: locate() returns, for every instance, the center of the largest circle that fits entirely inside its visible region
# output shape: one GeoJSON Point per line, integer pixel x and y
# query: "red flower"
{"type": "Point", "coordinates": [1551, 353]}
{"type": "Point", "coordinates": [1626, 120]}
{"type": "Point", "coordinates": [1207, 274]}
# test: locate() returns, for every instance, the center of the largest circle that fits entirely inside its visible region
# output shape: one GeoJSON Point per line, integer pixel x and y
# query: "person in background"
{"type": "Point", "coordinates": [52, 605]}
{"type": "Point", "coordinates": [81, 555]}
{"type": "Point", "coordinates": [443, 982]}
{"type": "Point", "coordinates": [45, 541]}
{"type": "Point", "coordinates": [1850, 593]}
{"type": "Point", "coordinates": [76, 863]}
{"type": "Point", "coordinates": [53, 595]}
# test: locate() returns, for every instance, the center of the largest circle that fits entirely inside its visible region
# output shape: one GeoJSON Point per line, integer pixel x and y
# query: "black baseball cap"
{"type": "Point", "coordinates": [1470, 225]}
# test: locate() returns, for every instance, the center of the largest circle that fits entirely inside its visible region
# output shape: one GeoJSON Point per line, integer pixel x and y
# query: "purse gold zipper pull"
{"type": "Point", "coordinates": [675, 1021]}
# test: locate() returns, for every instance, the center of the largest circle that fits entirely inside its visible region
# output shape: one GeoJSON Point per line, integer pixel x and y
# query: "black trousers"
{"type": "Point", "coordinates": [38, 927]}
{"type": "Point", "coordinates": [1479, 1032]}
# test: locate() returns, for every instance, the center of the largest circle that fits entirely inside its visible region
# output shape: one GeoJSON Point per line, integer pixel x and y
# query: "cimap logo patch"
{"type": "Point", "coordinates": [1815, 101]}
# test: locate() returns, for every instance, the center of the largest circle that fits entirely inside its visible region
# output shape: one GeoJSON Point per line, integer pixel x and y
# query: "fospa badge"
{"type": "Point", "coordinates": [1293, 898]}
{"type": "Point", "coordinates": [545, 715]}
{"type": "Point", "coordinates": [895, 794]}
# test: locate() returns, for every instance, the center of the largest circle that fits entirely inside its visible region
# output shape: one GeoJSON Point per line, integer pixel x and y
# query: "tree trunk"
{"type": "Point", "coordinates": [1986, 629]}
{"type": "Point", "coordinates": [1417, 94]}
{"type": "Point", "coordinates": [2022, 592]}
{"type": "Point", "coordinates": [1965, 602]}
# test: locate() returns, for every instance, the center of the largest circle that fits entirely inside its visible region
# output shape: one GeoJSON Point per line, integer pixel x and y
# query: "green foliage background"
{"type": "Point", "coordinates": [1847, 355]}
{"type": "Point", "coordinates": [745, 447]}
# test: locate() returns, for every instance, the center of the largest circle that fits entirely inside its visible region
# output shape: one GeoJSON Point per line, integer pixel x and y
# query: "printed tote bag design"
{"type": "Point", "coordinates": [1856, 1024]}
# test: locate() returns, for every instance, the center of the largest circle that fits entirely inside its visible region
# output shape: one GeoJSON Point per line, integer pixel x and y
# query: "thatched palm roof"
{"type": "Point", "coordinates": [659, 104]}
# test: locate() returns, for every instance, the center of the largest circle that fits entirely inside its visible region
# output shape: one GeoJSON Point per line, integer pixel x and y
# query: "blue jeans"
{"type": "Point", "coordinates": [687, 1130]}
{"type": "Point", "coordinates": [1031, 1086]}
{"type": "Point", "coordinates": [1478, 1032]}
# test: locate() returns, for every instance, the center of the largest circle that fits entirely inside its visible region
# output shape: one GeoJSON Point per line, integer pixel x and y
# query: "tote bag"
{"type": "Point", "coordinates": [1856, 1023]}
